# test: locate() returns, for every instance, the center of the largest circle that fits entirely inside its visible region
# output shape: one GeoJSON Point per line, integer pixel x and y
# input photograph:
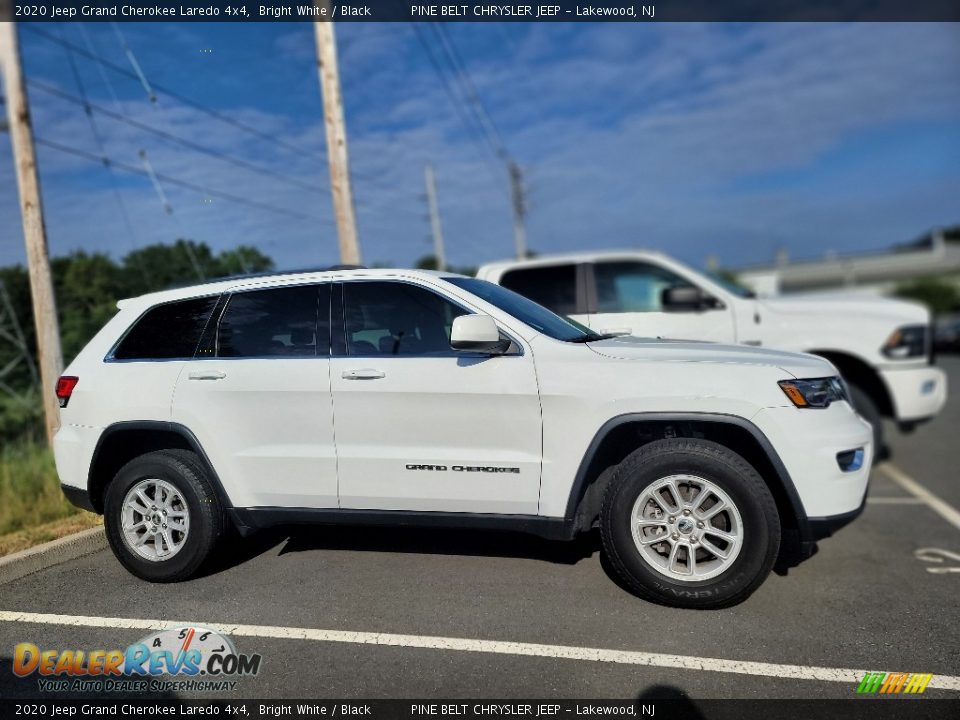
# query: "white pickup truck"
{"type": "Point", "coordinates": [881, 346]}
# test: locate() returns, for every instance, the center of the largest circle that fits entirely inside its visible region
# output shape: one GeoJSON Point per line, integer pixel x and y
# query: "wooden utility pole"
{"type": "Point", "coordinates": [519, 209]}
{"type": "Point", "coordinates": [336, 137]}
{"type": "Point", "coordinates": [435, 229]}
{"type": "Point", "coordinates": [31, 211]}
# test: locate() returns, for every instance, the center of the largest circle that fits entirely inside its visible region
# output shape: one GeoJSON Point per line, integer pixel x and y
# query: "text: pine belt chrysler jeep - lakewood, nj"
{"type": "Point", "coordinates": [418, 398]}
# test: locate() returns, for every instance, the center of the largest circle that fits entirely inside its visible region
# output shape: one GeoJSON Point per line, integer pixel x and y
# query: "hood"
{"type": "Point", "coordinates": [655, 350]}
{"type": "Point", "coordinates": [900, 312]}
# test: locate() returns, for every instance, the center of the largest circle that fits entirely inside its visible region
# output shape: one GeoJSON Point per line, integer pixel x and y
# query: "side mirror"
{"type": "Point", "coordinates": [478, 333]}
{"type": "Point", "coordinates": [678, 299]}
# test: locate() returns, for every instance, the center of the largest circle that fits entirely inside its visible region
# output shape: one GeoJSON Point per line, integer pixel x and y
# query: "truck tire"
{"type": "Point", "coordinates": [867, 409]}
{"type": "Point", "coordinates": [689, 523]}
{"type": "Point", "coordinates": [162, 515]}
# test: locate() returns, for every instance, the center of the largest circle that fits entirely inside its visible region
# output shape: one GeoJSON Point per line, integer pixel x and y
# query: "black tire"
{"type": "Point", "coordinates": [734, 476]}
{"type": "Point", "coordinates": [867, 409]}
{"type": "Point", "coordinates": [186, 473]}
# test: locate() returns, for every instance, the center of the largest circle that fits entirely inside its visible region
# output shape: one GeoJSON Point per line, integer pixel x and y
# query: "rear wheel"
{"type": "Point", "coordinates": [162, 515]}
{"type": "Point", "coordinates": [689, 523]}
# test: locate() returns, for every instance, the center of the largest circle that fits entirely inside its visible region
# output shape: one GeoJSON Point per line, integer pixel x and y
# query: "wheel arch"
{"type": "Point", "coordinates": [859, 372]}
{"type": "Point", "coordinates": [621, 435]}
{"type": "Point", "coordinates": [123, 441]}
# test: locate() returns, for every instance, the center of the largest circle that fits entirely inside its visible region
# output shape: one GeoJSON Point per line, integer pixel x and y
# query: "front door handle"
{"type": "Point", "coordinates": [207, 375]}
{"type": "Point", "coordinates": [617, 331]}
{"type": "Point", "coordinates": [365, 374]}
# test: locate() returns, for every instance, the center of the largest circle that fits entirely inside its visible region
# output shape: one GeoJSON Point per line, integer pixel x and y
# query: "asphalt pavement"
{"type": "Point", "coordinates": [414, 613]}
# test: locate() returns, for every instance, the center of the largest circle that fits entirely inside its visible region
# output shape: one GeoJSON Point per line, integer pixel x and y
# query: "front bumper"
{"type": "Point", "coordinates": [916, 393]}
{"type": "Point", "coordinates": [808, 443]}
{"type": "Point", "coordinates": [824, 527]}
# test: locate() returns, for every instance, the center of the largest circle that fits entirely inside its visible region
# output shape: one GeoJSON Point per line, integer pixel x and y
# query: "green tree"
{"type": "Point", "coordinates": [87, 287]}
{"type": "Point", "coordinates": [429, 262]}
{"type": "Point", "coordinates": [159, 266]}
{"type": "Point", "coordinates": [242, 260]}
{"type": "Point", "coordinates": [938, 295]}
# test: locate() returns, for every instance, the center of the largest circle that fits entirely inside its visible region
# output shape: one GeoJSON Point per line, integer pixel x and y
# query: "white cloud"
{"type": "Point", "coordinates": [666, 135]}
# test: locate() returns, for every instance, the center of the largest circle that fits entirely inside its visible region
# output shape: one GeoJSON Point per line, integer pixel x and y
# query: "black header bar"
{"type": "Point", "coordinates": [894, 708]}
{"type": "Point", "coordinates": [532, 11]}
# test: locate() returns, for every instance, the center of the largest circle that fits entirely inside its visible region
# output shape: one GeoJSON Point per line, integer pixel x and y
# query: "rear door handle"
{"type": "Point", "coordinates": [365, 374]}
{"type": "Point", "coordinates": [207, 375]}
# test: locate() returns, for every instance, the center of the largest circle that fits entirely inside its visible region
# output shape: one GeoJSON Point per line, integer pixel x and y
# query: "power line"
{"type": "Point", "coordinates": [124, 215]}
{"type": "Point", "coordinates": [469, 89]}
{"type": "Point", "coordinates": [478, 134]}
{"type": "Point", "coordinates": [155, 88]}
{"type": "Point", "coordinates": [208, 192]}
{"type": "Point", "coordinates": [151, 95]}
{"type": "Point", "coordinates": [168, 209]}
{"type": "Point", "coordinates": [184, 142]}
{"type": "Point", "coordinates": [100, 70]}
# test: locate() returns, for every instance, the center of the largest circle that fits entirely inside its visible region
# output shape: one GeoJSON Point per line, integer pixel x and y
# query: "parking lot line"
{"type": "Point", "coordinates": [564, 652]}
{"type": "Point", "coordinates": [894, 501]}
{"type": "Point", "coordinates": [941, 507]}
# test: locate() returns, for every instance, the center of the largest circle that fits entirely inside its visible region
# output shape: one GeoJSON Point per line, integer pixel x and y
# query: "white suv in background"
{"type": "Point", "coordinates": [882, 347]}
{"type": "Point", "coordinates": [419, 398]}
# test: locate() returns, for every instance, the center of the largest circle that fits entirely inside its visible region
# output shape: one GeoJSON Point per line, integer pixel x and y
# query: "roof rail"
{"type": "Point", "coordinates": [271, 273]}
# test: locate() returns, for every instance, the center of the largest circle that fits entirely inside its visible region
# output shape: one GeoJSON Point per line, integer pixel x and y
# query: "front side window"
{"type": "Point", "coordinates": [633, 286]}
{"type": "Point", "coordinates": [524, 309]}
{"type": "Point", "coordinates": [554, 287]}
{"type": "Point", "coordinates": [278, 322]}
{"type": "Point", "coordinates": [166, 332]}
{"type": "Point", "coordinates": [395, 318]}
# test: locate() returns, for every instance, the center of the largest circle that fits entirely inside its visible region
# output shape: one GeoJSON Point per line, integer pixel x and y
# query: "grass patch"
{"type": "Point", "coordinates": [30, 494]}
{"type": "Point", "coordinates": [23, 539]}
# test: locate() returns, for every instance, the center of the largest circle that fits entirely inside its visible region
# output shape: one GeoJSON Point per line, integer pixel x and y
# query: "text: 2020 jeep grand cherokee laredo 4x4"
{"type": "Point", "coordinates": [380, 396]}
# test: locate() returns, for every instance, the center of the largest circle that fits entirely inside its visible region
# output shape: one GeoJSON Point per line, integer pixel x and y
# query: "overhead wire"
{"type": "Point", "coordinates": [208, 192]}
{"type": "Point", "coordinates": [98, 139]}
{"type": "Point", "coordinates": [155, 88]}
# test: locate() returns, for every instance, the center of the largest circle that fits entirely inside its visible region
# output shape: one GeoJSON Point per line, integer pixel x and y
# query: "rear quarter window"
{"type": "Point", "coordinates": [166, 332]}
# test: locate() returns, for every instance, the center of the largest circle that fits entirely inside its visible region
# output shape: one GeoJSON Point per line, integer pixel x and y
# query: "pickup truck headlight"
{"type": "Point", "coordinates": [908, 341]}
{"type": "Point", "coordinates": [814, 393]}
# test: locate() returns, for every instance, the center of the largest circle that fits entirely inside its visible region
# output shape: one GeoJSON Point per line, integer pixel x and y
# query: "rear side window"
{"type": "Point", "coordinates": [280, 322]}
{"type": "Point", "coordinates": [553, 287]}
{"type": "Point", "coordinates": [166, 332]}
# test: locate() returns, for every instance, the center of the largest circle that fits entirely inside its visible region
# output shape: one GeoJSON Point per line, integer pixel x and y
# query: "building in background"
{"type": "Point", "coordinates": [935, 256]}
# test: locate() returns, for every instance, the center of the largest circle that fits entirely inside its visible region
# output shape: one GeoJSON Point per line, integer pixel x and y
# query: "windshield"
{"type": "Point", "coordinates": [526, 311]}
{"type": "Point", "coordinates": [731, 285]}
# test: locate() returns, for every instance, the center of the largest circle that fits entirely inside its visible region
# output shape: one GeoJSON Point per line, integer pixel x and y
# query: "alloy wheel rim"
{"type": "Point", "coordinates": [687, 528]}
{"type": "Point", "coordinates": [155, 519]}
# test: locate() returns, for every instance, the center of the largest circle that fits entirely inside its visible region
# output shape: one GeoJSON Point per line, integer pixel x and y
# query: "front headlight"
{"type": "Point", "coordinates": [814, 393]}
{"type": "Point", "coordinates": [906, 342]}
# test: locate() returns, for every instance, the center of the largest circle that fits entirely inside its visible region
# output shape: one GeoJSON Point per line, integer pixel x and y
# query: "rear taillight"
{"type": "Point", "coordinates": [65, 386]}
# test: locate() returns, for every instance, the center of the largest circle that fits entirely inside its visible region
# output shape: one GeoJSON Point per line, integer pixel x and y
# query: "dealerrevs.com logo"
{"type": "Point", "coordinates": [193, 658]}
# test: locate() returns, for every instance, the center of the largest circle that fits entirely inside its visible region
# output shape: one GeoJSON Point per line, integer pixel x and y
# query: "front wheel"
{"type": "Point", "coordinates": [689, 523]}
{"type": "Point", "coordinates": [162, 515]}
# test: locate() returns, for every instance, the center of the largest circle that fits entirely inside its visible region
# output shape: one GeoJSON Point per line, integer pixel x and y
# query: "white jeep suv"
{"type": "Point", "coordinates": [419, 398]}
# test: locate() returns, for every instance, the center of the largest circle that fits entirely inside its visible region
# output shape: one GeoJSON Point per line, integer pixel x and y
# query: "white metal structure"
{"type": "Point", "coordinates": [416, 397]}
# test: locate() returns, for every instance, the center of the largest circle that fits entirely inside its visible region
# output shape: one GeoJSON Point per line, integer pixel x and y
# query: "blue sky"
{"type": "Point", "coordinates": [725, 140]}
